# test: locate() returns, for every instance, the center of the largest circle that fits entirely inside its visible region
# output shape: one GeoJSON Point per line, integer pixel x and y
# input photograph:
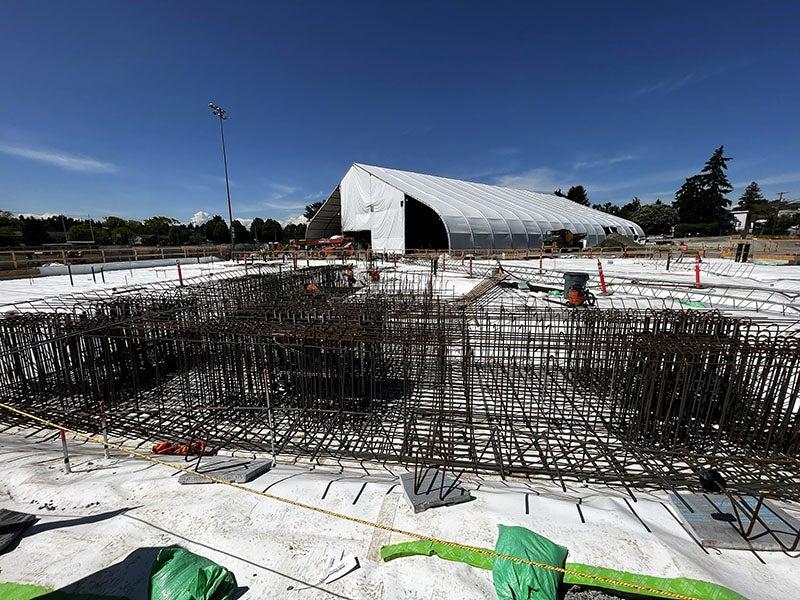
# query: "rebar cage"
{"type": "Point", "coordinates": [632, 398]}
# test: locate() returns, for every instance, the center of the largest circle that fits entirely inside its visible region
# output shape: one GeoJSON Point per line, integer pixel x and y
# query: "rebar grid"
{"type": "Point", "coordinates": [396, 374]}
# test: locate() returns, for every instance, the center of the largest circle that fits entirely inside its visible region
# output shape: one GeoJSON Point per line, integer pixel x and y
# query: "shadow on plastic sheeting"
{"type": "Point", "coordinates": [59, 523]}
{"type": "Point", "coordinates": [128, 579]}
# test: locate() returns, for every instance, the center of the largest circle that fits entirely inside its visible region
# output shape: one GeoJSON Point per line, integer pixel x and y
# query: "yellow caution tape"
{"type": "Point", "coordinates": [337, 515]}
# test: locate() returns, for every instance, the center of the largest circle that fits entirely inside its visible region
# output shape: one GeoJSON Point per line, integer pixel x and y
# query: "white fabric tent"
{"type": "Point", "coordinates": [475, 215]}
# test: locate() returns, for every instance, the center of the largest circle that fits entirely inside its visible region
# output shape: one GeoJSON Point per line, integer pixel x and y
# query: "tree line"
{"type": "Point", "coordinates": [700, 206]}
{"type": "Point", "coordinates": [155, 231]}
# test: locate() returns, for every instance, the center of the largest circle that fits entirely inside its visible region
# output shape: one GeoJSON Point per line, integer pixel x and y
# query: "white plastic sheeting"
{"type": "Point", "coordinates": [475, 215]}
{"type": "Point", "coordinates": [369, 203]}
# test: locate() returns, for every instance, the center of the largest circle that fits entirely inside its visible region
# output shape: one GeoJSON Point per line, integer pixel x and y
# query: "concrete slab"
{"type": "Point", "coordinates": [433, 485]}
{"type": "Point", "coordinates": [235, 470]}
{"type": "Point", "coordinates": [714, 522]}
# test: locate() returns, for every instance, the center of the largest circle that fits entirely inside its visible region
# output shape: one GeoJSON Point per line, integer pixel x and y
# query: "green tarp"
{"type": "Point", "coordinates": [518, 581]}
{"type": "Point", "coordinates": [27, 591]}
{"type": "Point", "coordinates": [694, 588]}
{"type": "Point", "coordinates": [470, 557]}
{"type": "Point", "coordinates": [178, 574]}
{"type": "Point", "coordinates": [691, 303]}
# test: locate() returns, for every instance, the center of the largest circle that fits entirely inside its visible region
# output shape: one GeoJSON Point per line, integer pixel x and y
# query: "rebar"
{"type": "Point", "coordinates": [395, 373]}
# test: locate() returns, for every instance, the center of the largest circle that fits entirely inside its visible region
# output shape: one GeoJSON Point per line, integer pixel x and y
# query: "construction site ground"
{"type": "Point", "coordinates": [106, 510]}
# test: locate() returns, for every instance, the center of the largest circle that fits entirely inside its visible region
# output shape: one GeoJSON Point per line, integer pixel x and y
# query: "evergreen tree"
{"type": "Point", "coordinates": [756, 205]}
{"type": "Point", "coordinates": [80, 232]}
{"type": "Point", "coordinates": [34, 231]}
{"type": "Point", "coordinates": [577, 193]}
{"type": "Point", "coordinates": [689, 199]}
{"type": "Point", "coordinates": [265, 231]}
{"type": "Point", "coordinates": [753, 200]}
{"type": "Point", "coordinates": [716, 184]}
{"type": "Point", "coordinates": [240, 232]}
{"type": "Point", "coordinates": [559, 193]}
{"type": "Point", "coordinates": [257, 230]}
{"type": "Point", "coordinates": [272, 230]}
{"type": "Point", "coordinates": [294, 231]}
{"type": "Point", "coordinates": [216, 230]}
{"type": "Point", "coordinates": [611, 209]}
{"type": "Point", "coordinates": [627, 211]}
{"type": "Point", "coordinates": [701, 199]}
{"type": "Point", "coordinates": [311, 209]}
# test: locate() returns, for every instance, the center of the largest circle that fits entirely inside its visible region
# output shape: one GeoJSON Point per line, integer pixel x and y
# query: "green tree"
{"type": "Point", "coordinates": [121, 231]}
{"type": "Point", "coordinates": [34, 231]}
{"type": "Point", "coordinates": [294, 231]}
{"type": "Point", "coordinates": [701, 199]}
{"type": "Point", "coordinates": [80, 232]}
{"type": "Point", "coordinates": [656, 218]}
{"type": "Point", "coordinates": [266, 231]}
{"type": "Point", "coordinates": [715, 180]}
{"type": "Point", "coordinates": [158, 225]}
{"type": "Point", "coordinates": [216, 230]}
{"type": "Point", "coordinates": [11, 229]}
{"type": "Point", "coordinates": [689, 200]}
{"type": "Point", "coordinates": [240, 232]}
{"type": "Point", "coordinates": [257, 230]}
{"type": "Point", "coordinates": [578, 193]}
{"type": "Point", "coordinates": [311, 209]}
{"type": "Point", "coordinates": [611, 209]}
{"type": "Point", "coordinates": [627, 211]}
{"type": "Point", "coordinates": [194, 235]}
{"type": "Point", "coordinates": [274, 230]}
{"type": "Point", "coordinates": [753, 200]}
{"type": "Point", "coordinates": [559, 193]}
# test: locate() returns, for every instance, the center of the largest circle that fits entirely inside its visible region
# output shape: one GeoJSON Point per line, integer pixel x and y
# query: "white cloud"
{"type": "Point", "coordinates": [542, 179]}
{"type": "Point", "coordinates": [315, 197]}
{"type": "Point", "coordinates": [790, 177]}
{"type": "Point", "coordinates": [62, 160]}
{"type": "Point", "coordinates": [669, 85]}
{"type": "Point", "coordinates": [200, 217]}
{"type": "Point", "coordinates": [284, 205]}
{"type": "Point", "coordinates": [283, 190]}
{"type": "Point", "coordinates": [677, 176]}
{"type": "Point", "coordinates": [545, 179]}
{"type": "Point", "coordinates": [40, 215]}
{"type": "Point", "coordinates": [296, 220]}
{"type": "Point", "coordinates": [504, 151]}
{"type": "Point", "coordinates": [245, 222]}
{"type": "Point", "coordinates": [603, 162]}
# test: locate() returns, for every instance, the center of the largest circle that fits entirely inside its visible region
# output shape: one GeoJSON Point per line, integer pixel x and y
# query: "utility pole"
{"type": "Point", "coordinates": [220, 112]}
{"type": "Point", "coordinates": [780, 196]}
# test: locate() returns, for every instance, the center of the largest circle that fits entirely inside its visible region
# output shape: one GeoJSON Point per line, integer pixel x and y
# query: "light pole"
{"type": "Point", "coordinates": [220, 112]}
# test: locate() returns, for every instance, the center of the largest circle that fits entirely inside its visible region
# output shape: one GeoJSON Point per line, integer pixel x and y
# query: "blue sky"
{"type": "Point", "coordinates": [104, 104]}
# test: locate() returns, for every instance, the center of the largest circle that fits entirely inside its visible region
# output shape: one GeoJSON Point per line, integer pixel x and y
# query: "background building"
{"type": "Point", "coordinates": [398, 210]}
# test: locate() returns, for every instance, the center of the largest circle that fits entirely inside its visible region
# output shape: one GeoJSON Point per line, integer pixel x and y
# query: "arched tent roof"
{"type": "Point", "coordinates": [475, 215]}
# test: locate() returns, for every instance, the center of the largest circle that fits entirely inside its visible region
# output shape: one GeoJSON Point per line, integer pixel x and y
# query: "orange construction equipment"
{"type": "Point", "coordinates": [576, 297]}
{"type": "Point", "coordinates": [165, 447]}
{"type": "Point", "coordinates": [313, 289]}
{"type": "Point", "coordinates": [374, 275]}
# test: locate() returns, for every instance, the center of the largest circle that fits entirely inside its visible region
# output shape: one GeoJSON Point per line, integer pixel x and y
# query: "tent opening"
{"type": "Point", "coordinates": [424, 228]}
{"type": "Point", "coordinates": [361, 239]}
